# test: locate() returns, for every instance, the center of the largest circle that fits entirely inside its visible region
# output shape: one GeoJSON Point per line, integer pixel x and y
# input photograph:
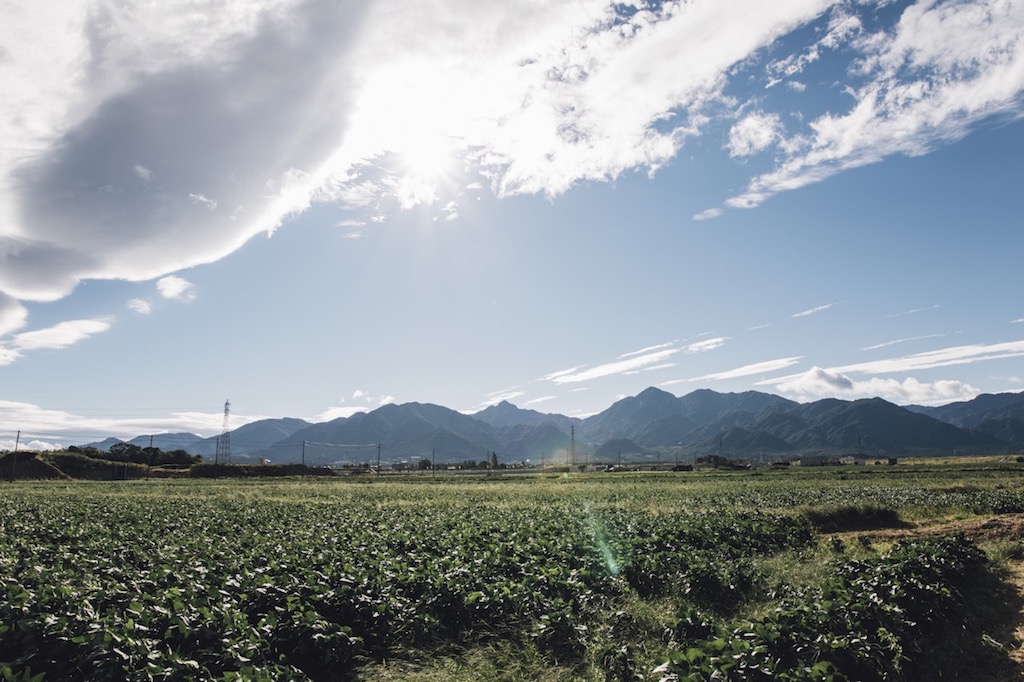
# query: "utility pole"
{"type": "Point", "coordinates": [433, 465]}
{"type": "Point", "coordinates": [378, 459]}
{"type": "Point", "coordinates": [149, 466]}
{"type": "Point", "coordinates": [14, 457]}
{"type": "Point", "coordinates": [572, 451]}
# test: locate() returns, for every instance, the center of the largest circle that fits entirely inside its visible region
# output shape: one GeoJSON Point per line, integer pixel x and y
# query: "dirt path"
{"type": "Point", "coordinates": [1002, 527]}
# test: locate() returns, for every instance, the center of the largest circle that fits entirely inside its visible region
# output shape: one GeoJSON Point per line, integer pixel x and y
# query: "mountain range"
{"type": "Point", "coordinates": [651, 426]}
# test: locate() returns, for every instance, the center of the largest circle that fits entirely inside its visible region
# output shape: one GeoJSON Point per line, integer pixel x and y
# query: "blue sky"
{"type": "Point", "coordinates": [313, 208]}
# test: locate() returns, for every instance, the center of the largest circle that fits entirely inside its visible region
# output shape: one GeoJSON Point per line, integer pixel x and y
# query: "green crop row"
{"type": "Point", "coordinates": [884, 619]}
{"type": "Point", "coordinates": [324, 580]}
{"type": "Point", "coordinates": [128, 587]}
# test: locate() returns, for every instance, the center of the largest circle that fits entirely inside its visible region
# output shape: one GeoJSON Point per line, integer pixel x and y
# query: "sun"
{"type": "Point", "coordinates": [429, 159]}
{"type": "Point", "coordinates": [425, 167]}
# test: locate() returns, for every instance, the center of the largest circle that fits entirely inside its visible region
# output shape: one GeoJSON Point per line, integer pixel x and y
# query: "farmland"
{"type": "Point", "coordinates": [814, 574]}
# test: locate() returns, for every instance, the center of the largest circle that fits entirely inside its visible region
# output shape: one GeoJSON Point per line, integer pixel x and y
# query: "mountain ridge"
{"type": "Point", "coordinates": [653, 424]}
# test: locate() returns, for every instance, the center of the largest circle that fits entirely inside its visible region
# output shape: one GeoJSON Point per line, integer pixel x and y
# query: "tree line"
{"type": "Point", "coordinates": [136, 454]}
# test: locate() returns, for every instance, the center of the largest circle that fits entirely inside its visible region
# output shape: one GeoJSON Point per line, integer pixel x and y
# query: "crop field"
{"type": "Point", "coordinates": [842, 573]}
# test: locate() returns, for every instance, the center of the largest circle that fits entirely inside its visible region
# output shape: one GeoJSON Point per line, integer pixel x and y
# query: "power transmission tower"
{"type": "Point", "coordinates": [224, 441]}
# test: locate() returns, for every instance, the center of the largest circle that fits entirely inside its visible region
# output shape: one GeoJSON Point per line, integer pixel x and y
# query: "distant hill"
{"type": "Point", "coordinates": [505, 414]}
{"type": "Point", "coordinates": [256, 438]}
{"type": "Point", "coordinates": [104, 445]}
{"type": "Point", "coordinates": [748, 425]}
{"type": "Point", "coordinates": [409, 431]}
{"type": "Point", "coordinates": [166, 441]}
{"type": "Point", "coordinates": [972, 413]}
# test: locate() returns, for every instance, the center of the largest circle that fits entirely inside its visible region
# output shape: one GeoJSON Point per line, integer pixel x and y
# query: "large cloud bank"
{"type": "Point", "coordinates": [143, 138]}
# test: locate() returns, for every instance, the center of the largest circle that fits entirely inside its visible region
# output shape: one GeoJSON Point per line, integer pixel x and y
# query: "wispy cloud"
{"type": "Point", "coordinates": [895, 342]}
{"type": "Point", "coordinates": [648, 349]}
{"type": "Point", "coordinates": [751, 369]}
{"type": "Point", "coordinates": [708, 214]}
{"type": "Point", "coordinates": [813, 311]}
{"type": "Point", "coordinates": [499, 396]}
{"type": "Point", "coordinates": [60, 335]}
{"type": "Point", "coordinates": [942, 357]}
{"type": "Point", "coordinates": [706, 345]}
{"type": "Point", "coordinates": [204, 200]}
{"type": "Point", "coordinates": [913, 311]}
{"type": "Point", "coordinates": [624, 366]}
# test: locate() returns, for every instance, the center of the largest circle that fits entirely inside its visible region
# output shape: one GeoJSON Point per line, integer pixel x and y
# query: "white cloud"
{"type": "Point", "coordinates": [369, 399]}
{"type": "Point", "coordinates": [204, 200]}
{"type": "Point", "coordinates": [50, 425]}
{"type": "Point", "coordinates": [942, 357]}
{"type": "Point", "coordinates": [530, 96]}
{"type": "Point", "coordinates": [31, 446]}
{"type": "Point", "coordinates": [648, 349]}
{"type": "Point", "coordinates": [1017, 321]}
{"type": "Point", "coordinates": [266, 107]}
{"type": "Point", "coordinates": [537, 401]}
{"type": "Point", "coordinates": [895, 342]}
{"type": "Point", "coordinates": [191, 89]}
{"type": "Point", "coordinates": [60, 335]}
{"type": "Point", "coordinates": [812, 311]}
{"type": "Point", "coordinates": [624, 366]}
{"type": "Point", "coordinates": [818, 383]}
{"type": "Point", "coordinates": [176, 288]}
{"type": "Point", "coordinates": [754, 133]}
{"type": "Point", "coordinates": [340, 412]}
{"type": "Point", "coordinates": [555, 376]}
{"type": "Point", "coordinates": [13, 315]}
{"type": "Point", "coordinates": [653, 368]}
{"type": "Point", "coordinates": [913, 311]}
{"type": "Point", "coordinates": [706, 345]}
{"type": "Point", "coordinates": [708, 214]}
{"type": "Point", "coordinates": [941, 70]}
{"type": "Point", "coordinates": [140, 305]}
{"type": "Point", "coordinates": [451, 209]}
{"type": "Point", "coordinates": [499, 396]}
{"type": "Point", "coordinates": [751, 369]}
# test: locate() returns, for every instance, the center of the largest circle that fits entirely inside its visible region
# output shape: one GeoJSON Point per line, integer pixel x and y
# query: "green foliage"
{"type": "Point", "coordinates": [326, 579]}
{"type": "Point", "coordinates": [848, 517]}
{"type": "Point", "coordinates": [884, 619]}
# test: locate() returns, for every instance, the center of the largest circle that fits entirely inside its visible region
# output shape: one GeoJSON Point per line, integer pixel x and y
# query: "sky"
{"type": "Point", "coordinates": [313, 208]}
